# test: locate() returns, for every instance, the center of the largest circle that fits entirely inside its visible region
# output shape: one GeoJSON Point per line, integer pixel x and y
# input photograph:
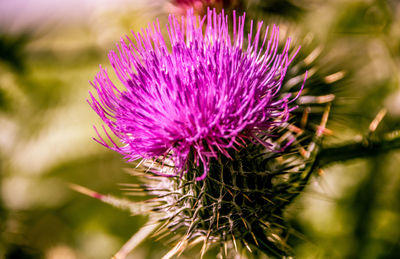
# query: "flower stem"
{"type": "Point", "coordinates": [366, 147]}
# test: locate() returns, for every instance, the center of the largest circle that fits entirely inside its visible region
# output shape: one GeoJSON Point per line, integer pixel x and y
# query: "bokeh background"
{"type": "Point", "coordinates": [50, 50]}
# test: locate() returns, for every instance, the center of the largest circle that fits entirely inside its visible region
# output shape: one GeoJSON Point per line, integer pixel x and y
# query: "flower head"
{"type": "Point", "coordinates": [199, 94]}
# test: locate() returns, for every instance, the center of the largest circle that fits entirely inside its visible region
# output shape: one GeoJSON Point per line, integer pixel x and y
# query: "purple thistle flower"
{"type": "Point", "coordinates": [202, 93]}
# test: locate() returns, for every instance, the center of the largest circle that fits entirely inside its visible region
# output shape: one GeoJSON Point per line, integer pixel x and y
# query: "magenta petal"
{"type": "Point", "coordinates": [199, 92]}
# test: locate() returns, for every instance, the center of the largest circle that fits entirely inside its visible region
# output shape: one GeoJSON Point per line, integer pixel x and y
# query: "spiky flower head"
{"type": "Point", "coordinates": [208, 93]}
{"type": "Point", "coordinates": [212, 107]}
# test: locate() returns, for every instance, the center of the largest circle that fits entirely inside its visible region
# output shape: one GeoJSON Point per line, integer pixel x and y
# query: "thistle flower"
{"type": "Point", "coordinates": [213, 109]}
{"type": "Point", "coordinates": [208, 94]}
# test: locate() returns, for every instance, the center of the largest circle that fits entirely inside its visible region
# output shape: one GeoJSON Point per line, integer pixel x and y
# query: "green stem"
{"type": "Point", "coordinates": [367, 147]}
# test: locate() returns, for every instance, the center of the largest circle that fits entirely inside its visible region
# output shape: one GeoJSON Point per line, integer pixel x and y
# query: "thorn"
{"type": "Point", "coordinates": [378, 118]}
{"type": "Point", "coordinates": [135, 172]}
{"type": "Point", "coordinates": [162, 236]}
{"type": "Point", "coordinates": [277, 237]}
{"type": "Point", "coordinates": [160, 229]}
{"type": "Point", "coordinates": [310, 149]}
{"type": "Point", "coordinates": [86, 191]}
{"type": "Point", "coordinates": [136, 194]}
{"type": "Point", "coordinates": [247, 197]}
{"type": "Point", "coordinates": [204, 248]}
{"type": "Point", "coordinates": [282, 199]}
{"type": "Point", "coordinates": [329, 79]}
{"type": "Point", "coordinates": [325, 131]}
{"type": "Point", "coordinates": [132, 189]}
{"type": "Point", "coordinates": [217, 219]}
{"type": "Point", "coordinates": [316, 99]}
{"type": "Point", "coordinates": [303, 152]}
{"type": "Point", "coordinates": [244, 222]}
{"type": "Point", "coordinates": [230, 192]}
{"type": "Point", "coordinates": [134, 208]}
{"type": "Point", "coordinates": [177, 249]}
{"type": "Point", "coordinates": [304, 118]}
{"type": "Point", "coordinates": [139, 164]}
{"type": "Point", "coordinates": [234, 243]}
{"type": "Point", "coordinates": [313, 55]}
{"type": "Point", "coordinates": [254, 237]}
{"type": "Point", "coordinates": [247, 246]}
{"type": "Point", "coordinates": [265, 224]}
{"type": "Point", "coordinates": [265, 198]}
{"type": "Point", "coordinates": [135, 240]}
{"type": "Point", "coordinates": [195, 204]}
{"type": "Point", "coordinates": [324, 120]}
{"type": "Point", "coordinates": [295, 129]}
{"type": "Point", "coordinates": [285, 136]}
{"type": "Point", "coordinates": [132, 185]}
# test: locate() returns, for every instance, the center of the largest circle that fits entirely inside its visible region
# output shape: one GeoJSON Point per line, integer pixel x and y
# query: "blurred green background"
{"type": "Point", "coordinates": [50, 50]}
